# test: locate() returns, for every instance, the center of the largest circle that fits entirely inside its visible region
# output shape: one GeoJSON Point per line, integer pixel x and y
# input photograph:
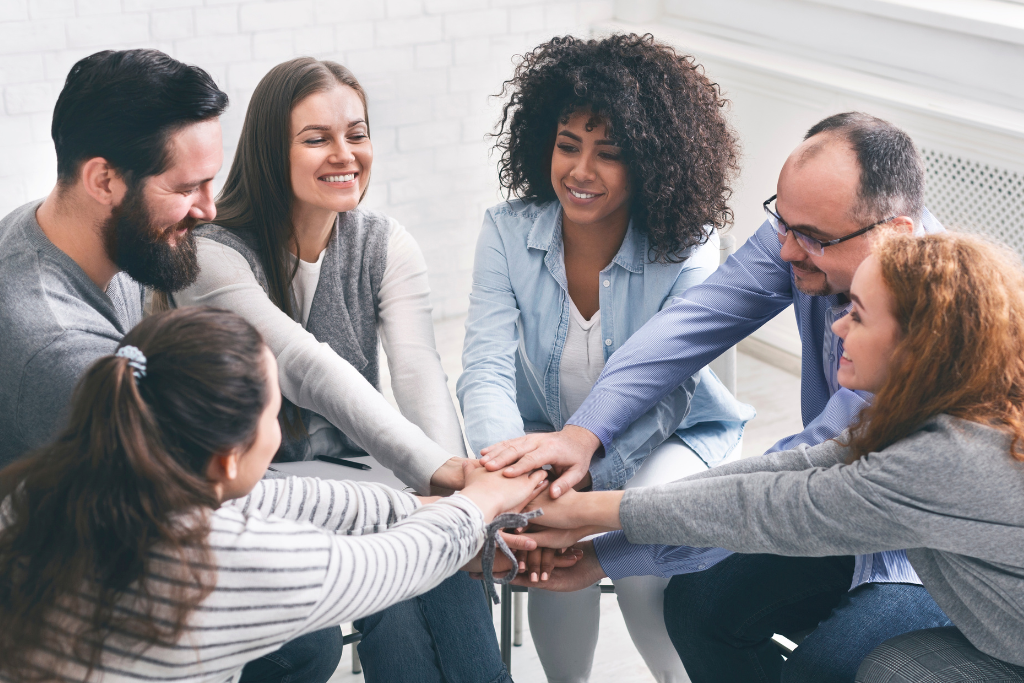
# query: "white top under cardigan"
{"type": "Point", "coordinates": [314, 377]}
{"type": "Point", "coordinates": [296, 556]}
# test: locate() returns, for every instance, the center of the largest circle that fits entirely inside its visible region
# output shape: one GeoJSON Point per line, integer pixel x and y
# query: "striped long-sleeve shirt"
{"type": "Point", "coordinates": [295, 556]}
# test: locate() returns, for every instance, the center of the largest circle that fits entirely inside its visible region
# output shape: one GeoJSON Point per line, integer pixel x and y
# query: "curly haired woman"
{"type": "Point", "coordinates": [620, 161]}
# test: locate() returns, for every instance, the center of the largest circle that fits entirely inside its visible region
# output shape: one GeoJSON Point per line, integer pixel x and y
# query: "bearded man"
{"type": "Point", "coordinates": [138, 142]}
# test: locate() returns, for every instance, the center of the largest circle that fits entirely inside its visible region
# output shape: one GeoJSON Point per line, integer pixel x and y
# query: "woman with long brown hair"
{"type": "Point", "coordinates": [143, 545]}
{"type": "Point", "coordinates": [325, 281]}
{"type": "Point", "coordinates": [935, 465]}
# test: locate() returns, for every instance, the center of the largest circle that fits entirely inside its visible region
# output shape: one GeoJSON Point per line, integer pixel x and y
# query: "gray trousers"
{"type": "Point", "coordinates": [935, 655]}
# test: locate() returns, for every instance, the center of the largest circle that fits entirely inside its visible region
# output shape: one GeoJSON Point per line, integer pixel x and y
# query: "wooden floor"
{"type": "Point", "coordinates": [774, 393]}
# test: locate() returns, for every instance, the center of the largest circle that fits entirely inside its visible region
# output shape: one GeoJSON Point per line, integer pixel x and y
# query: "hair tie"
{"type": "Point", "coordinates": [136, 359]}
{"type": "Point", "coordinates": [493, 540]}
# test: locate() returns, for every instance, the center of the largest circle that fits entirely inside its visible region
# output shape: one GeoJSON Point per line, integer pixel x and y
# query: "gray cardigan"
{"type": "Point", "coordinates": [950, 493]}
{"type": "Point", "coordinates": [344, 310]}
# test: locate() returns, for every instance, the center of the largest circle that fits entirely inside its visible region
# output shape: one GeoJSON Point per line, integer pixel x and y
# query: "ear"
{"type": "Point", "coordinates": [903, 224]}
{"type": "Point", "coordinates": [223, 468]}
{"type": "Point", "coordinates": [102, 182]}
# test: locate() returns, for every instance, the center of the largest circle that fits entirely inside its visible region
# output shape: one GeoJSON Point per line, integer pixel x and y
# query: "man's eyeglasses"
{"type": "Point", "coordinates": [809, 244]}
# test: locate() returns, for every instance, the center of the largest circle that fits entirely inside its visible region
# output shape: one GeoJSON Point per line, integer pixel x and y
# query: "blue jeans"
{"type": "Point", "coordinates": [443, 636]}
{"type": "Point", "coordinates": [312, 658]}
{"type": "Point", "coordinates": [721, 620]}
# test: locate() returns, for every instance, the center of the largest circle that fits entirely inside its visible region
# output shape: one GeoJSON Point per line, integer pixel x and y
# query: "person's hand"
{"type": "Point", "coordinates": [516, 543]}
{"type": "Point", "coordinates": [568, 452]}
{"type": "Point", "coordinates": [544, 537]}
{"type": "Point", "coordinates": [586, 571]}
{"type": "Point", "coordinates": [598, 510]}
{"type": "Point", "coordinates": [494, 493]}
{"type": "Point", "coordinates": [558, 514]}
{"type": "Point", "coordinates": [562, 560]}
{"type": "Point", "coordinates": [451, 476]}
{"type": "Point", "coordinates": [539, 563]}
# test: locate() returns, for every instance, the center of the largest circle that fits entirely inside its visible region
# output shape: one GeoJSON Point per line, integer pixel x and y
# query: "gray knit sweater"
{"type": "Point", "coordinates": [950, 494]}
{"type": "Point", "coordinates": [54, 322]}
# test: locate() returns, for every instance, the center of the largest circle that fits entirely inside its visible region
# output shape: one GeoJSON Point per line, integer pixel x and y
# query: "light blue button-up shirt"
{"type": "Point", "coordinates": [517, 325]}
{"type": "Point", "coordinates": [752, 287]}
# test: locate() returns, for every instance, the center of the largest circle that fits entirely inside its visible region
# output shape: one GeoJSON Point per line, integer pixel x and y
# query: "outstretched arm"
{"type": "Point", "coordinates": [312, 375]}
{"type": "Point", "coordinates": [749, 289]}
{"type": "Point", "coordinates": [342, 507]}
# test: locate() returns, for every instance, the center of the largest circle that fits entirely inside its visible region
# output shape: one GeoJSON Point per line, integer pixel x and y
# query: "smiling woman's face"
{"type": "Point", "coordinates": [869, 331]}
{"type": "Point", "coordinates": [331, 152]}
{"type": "Point", "coordinates": [588, 174]}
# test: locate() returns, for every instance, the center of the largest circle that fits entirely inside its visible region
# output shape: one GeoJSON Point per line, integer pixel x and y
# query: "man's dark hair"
{"type": "Point", "coordinates": [891, 171]}
{"type": "Point", "coordinates": [123, 106]}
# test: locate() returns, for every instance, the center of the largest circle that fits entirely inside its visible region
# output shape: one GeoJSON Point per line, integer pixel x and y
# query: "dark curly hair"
{"type": "Point", "coordinates": [660, 108]}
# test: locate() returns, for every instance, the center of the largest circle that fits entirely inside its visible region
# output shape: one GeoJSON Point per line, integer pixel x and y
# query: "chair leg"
{"type": "Point", "coordinates": [506, 626]}
{"type": "Point", "coordinates": [517, 619]}
{"type": "Point", "coordinates": [357, 666]}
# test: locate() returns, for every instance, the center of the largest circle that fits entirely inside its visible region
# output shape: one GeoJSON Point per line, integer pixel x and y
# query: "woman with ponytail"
{"type": "Point", "coordinates": [328, 282]}
{"type": "Point", "coordinates": [143, 544]}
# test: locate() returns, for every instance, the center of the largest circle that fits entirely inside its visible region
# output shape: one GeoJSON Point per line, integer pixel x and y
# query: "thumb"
{"type": "Point", "coordinates": [569, 478]}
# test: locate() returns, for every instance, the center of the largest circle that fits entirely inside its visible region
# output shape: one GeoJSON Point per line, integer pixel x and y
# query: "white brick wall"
{"type": "Point", "coordinates": [429, 67]}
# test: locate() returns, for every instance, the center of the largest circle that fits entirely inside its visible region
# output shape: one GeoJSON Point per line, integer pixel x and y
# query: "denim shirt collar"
{"type": "Point", "coordinates": [546, 235]}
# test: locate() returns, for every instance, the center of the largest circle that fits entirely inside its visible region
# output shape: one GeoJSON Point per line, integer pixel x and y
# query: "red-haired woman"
{"type": "Point", "coordinates": [934, 465]}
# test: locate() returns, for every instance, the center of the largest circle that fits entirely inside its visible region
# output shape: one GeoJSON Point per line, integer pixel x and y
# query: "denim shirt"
{"type": "Point", "coordinates": [516, 330]}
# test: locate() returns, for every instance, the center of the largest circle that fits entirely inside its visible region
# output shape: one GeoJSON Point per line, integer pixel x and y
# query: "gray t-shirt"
{"type": "Point", "coordinates": [950, 493]}
{"type": "Point", "coordinates": [54, 322]}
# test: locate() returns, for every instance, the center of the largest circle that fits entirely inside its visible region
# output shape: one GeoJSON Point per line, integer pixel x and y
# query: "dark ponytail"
{"type": "Point", "coordinates": [124, 487]}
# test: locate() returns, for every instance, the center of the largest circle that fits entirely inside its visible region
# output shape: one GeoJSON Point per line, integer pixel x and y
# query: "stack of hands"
{"type": "Point", "coordinates": [539, 471]}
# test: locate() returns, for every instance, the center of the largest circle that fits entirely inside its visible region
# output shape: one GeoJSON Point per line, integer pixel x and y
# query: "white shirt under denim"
{"type": "Point", "coordinates": [582, 359]}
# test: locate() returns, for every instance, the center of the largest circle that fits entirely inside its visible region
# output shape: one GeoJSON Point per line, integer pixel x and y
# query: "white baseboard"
{"type": "Point", "coordinates": [770, 354]}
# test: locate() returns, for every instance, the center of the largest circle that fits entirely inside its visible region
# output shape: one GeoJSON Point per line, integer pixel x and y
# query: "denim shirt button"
{"type": "Point", "coordinates": [607, 342]}
{"type": "Point", "coordinates": [607, 283]}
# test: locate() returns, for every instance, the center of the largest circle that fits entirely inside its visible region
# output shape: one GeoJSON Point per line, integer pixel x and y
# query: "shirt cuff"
{"type": "Point", "coordinates": [619, 558]}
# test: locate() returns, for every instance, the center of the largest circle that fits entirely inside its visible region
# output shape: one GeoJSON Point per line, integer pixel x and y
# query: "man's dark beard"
{"type": "Point", "coordinates": [143, 250]}
{"type": "Point", "coordinates": [824, 290]}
